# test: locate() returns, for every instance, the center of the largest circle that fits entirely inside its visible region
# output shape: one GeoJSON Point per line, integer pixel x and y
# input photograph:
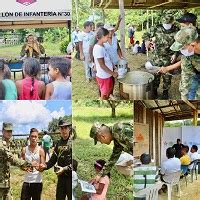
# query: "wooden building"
{"type": "Point", "coordinates": [149, 119]}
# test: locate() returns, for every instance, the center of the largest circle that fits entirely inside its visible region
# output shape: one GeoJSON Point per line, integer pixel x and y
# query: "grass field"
{"type": "Point", "coordinates": [85, 152]}
{"type": "Point", "coordinates": [51, 49]}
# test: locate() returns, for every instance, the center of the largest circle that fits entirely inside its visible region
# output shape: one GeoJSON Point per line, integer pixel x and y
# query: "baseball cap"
{"type": "Point", "coordinates": [7, 126]}
{"type": "Point", "coordinates": [63, 122]}
{"type": "Point", "coordinates": [184, 37]}
{"type": "Point", "coordinates": [94, 130]}
{"type": "Point", "coordinates": [109, 27]}
{"type": "Point", "coordinates": [187, 17]}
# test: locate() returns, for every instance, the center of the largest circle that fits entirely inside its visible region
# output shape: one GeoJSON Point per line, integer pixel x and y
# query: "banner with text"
{"type": "Point", "coordinates": [20, 10]}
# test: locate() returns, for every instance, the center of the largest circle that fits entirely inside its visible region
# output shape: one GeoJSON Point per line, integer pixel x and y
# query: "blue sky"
{"type": "Point", "coordinates": [32, 114]}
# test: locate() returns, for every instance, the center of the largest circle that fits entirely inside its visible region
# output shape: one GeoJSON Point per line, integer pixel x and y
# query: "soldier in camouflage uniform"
{"type": "Point", "coordinates": [62, 155]}
{"type": "Point", "coordinates": [6, 157]}
{"type": "Point", "coordinates": [163, 36]}
{"type": "Point", "coordinates": [122, 136]}
{"type": "Point", "coordinates": [188, 42]}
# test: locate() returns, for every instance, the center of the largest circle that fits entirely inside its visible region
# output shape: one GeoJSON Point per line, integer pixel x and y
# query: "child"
{"type": "Point", "coordinates": [104, 66]}
{"type": "Point", "coordinates": [30, 88]}
{"type": "Point", "coordinates": [9, 86]}
{"type": "Point", "coordinates": [136, 48]}
{"type": "Point", "coordinates": [101, 186]}
{"type": "Point", "coordinates": [74, 176]}
{"type": "Point", "coordinates": [60, 88]}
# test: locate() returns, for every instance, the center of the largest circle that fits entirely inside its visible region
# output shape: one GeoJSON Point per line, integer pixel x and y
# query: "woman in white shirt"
{"type": "Point", "coordinates": [32, 186]}
{"type": "Point", "coordinates": [103, 63]}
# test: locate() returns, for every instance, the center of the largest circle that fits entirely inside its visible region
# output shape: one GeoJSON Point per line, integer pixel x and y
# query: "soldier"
{"type": "Point", "coordinates": [63, 156]}
{"type": "Point", "coordinates": [163, 36]}
{"type": "Point", "coordinates": [188, 42]}
{"type": "Point", "coordinates": [6, 157]}
{"type": "Point", "coordinates": [122, 136]}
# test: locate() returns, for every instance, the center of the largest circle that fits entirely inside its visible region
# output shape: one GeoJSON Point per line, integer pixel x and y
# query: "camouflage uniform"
{"type": "Point", "coordinates": [123, 141]}
{"type": "Point", "coordinates": [6, 157]}
{"type": "Point", "coordinates": [162, 53]}
{"type": "Point", "coordinates": [62, 155]}
{"type": "Point", "coordinates": [190, 65]}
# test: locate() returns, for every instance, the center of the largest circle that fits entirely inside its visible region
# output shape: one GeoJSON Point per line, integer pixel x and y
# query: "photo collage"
{"type": "Point", "coordinates": [99, 100]}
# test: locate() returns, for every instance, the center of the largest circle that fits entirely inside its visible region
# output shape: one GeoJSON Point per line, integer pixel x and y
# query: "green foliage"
{"type": "Point", "coordinates": [53, 125]}
{"type": "Point", "coordinates": [63, 45]}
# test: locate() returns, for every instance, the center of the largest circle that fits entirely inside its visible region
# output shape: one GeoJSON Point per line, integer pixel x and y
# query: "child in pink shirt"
{"type": "Point", "coordinates": [102, 185]}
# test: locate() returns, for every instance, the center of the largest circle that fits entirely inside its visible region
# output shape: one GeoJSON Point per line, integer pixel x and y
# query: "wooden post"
{"type": "Point", "coordinates": [122, 26]}
{"type": "Point", "coordinates": [195, 117]}
{"type": "Point", "coordinates": [147, 20]}
{"type": "Point", "coordinates": [77, 16]}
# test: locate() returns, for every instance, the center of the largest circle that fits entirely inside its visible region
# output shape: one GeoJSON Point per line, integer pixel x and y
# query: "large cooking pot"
{"type": "Point", "coordinates": [136, 85]}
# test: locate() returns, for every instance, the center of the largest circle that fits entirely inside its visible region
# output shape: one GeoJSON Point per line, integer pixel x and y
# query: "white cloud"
{"type": "Point", "coordinates": [25, 112]}
{"type": "Point", "coordinates": [57, 114]}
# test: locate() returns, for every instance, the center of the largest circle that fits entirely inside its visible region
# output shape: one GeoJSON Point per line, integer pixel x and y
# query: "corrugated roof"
{"type": "Point", "coordinates": [172, 109]}
{"type": "Point", "coordinates": [144, 4]}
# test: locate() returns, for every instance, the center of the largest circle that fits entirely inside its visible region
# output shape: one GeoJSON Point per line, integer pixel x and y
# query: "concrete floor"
{"type": "Point", "coordinates": [189, 192]}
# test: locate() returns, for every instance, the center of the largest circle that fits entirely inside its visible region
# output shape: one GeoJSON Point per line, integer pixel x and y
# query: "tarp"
{"type": "Point", "coordinates": [189, 135]}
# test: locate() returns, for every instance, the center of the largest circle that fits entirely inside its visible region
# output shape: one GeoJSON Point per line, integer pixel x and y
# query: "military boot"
{"type": "Point", "coordinates": [165, 95]}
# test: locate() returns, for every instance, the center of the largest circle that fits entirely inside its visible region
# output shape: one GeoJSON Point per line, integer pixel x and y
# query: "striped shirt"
{"type": "Point", "coordinates": [144, 176]}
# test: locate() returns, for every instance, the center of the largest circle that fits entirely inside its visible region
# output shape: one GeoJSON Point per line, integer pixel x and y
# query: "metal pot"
{"type": "Point", "coordinates": [136, 85]}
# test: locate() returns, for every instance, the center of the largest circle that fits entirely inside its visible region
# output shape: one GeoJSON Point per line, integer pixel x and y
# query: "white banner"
{"type": "Point", "coordinates": [170, 135]}
{"type": "Point", "coordinates": [191, 136]}
{"type": "Point", "coordinates": [18, 10]}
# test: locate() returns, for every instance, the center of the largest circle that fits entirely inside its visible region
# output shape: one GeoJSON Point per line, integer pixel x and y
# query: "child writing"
{"type": "Point", "coordinates": [60, 88]}
{"type": "Point", "coordinates": [104, 66]}
{"type": "Point", "coordinates": [9, 86]}
{"type": "Point", "coordinates": [101, 186]}
{"type": "Point", "coordinates": [30, 88]}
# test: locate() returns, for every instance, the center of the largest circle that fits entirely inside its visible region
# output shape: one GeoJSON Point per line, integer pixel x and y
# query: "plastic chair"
{"type": "Point", "coordinates": [184, 169]}
{"type": "Point", "coordinates": [16, 67]}
{"type": "Point", "coordinates": [150, 193]}
{"type": "Point", "coordinates": [171, 180]}
{"type": "Point", "coordinates": [194, 168]}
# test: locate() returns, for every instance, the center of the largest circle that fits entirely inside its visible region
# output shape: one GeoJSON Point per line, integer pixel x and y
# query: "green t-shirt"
{"type": "Point", "coordinates": [10, 89]}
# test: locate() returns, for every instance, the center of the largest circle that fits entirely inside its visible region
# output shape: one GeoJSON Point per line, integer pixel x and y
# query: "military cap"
{"type": "Point", "coordinates": [63, 122]}
{"type": "Point", "coordinates": [187, 17]}
{"type": "Point", "coordinates": [7, 126]}
{"type": "Point", "coordinates": [168, 18]}
{"type": "Point", "coordinates": [94, 130]}
{"type": "Point", "coordinates": [184, 37]}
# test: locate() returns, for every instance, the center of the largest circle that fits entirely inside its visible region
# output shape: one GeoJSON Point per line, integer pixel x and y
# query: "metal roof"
{"type": "Point", "coordinates": [172, 109]}
{"type": "Point", "coordinates": [146, 4]}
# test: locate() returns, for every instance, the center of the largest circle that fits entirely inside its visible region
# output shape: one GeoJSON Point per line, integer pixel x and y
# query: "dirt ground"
{"type": "Point", "coordinates": [83, 90]}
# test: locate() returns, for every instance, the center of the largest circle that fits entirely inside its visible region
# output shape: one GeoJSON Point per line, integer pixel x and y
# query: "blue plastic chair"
{"type": "Point", "coordinates": [16, 67]}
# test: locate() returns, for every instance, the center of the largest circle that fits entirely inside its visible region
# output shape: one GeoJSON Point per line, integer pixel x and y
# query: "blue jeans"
{"type": "Point", "coordinates": [194, 86]}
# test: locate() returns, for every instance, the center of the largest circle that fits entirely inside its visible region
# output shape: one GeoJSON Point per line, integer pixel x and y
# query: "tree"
{"type": "Point", "coordinates": [113, 104]}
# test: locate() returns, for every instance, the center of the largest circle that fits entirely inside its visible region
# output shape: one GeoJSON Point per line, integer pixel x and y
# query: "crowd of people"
{"type": "Point", "coordinates": [100, 52]}
{"type": "Point", "coordinates": [179, 159]}
{"type": "Point", "coordinates": [33, 162]}
{"type": "Point", "coordinates": [31, 87]}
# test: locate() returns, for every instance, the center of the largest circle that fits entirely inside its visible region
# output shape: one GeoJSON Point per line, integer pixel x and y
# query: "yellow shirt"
{"type": "Point", "coordinates": [185, 160]}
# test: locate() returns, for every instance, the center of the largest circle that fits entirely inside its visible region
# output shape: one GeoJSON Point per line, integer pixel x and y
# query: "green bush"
{"type": "Point", "coordinates": [63, 45]}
